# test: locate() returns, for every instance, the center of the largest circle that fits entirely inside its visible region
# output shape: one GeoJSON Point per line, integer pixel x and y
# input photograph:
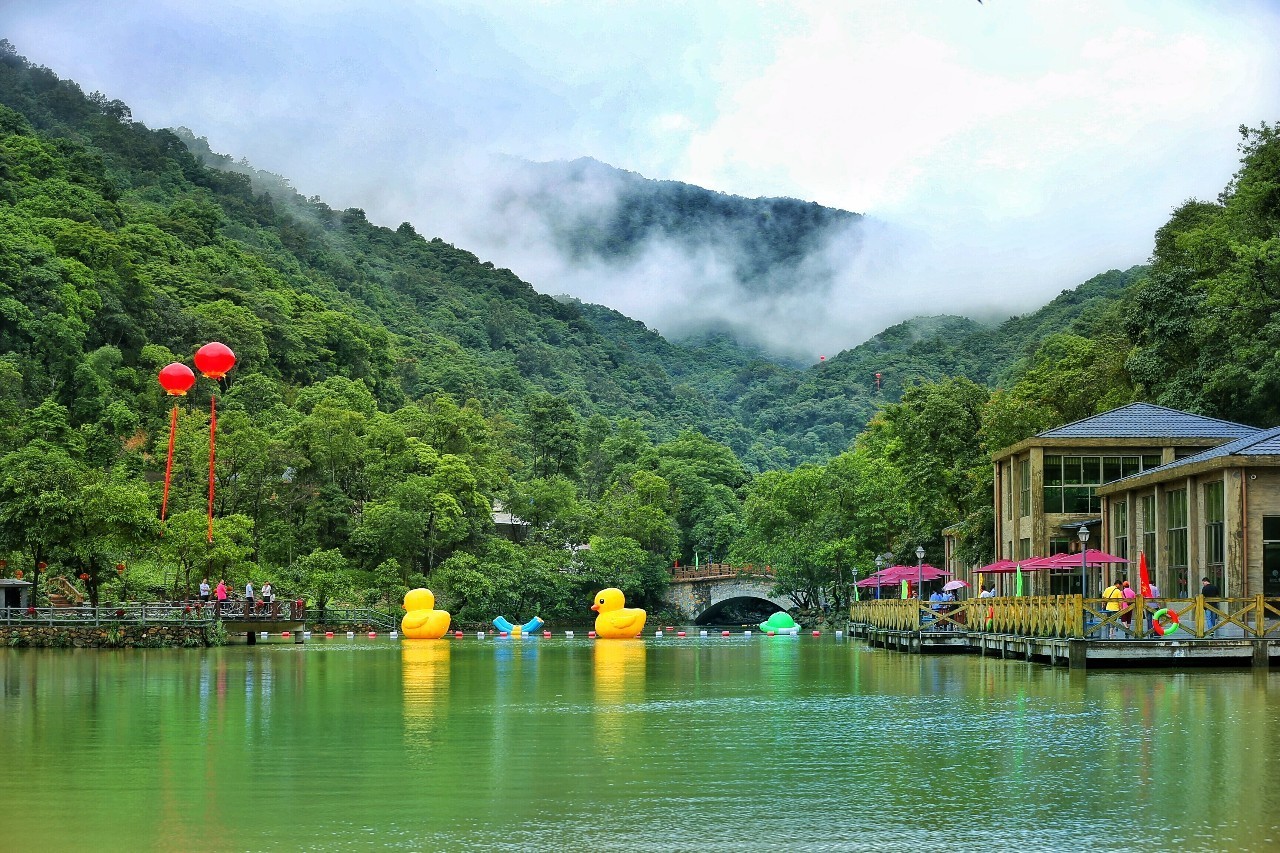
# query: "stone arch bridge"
{"type": "Point", "coordinates": [700, 594]}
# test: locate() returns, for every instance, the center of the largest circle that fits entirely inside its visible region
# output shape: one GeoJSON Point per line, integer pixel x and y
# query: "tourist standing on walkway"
{"type": "Point", "coordinates": [221, 594]}
{"type": "Point", "coordinates": [1210, 590]}
{"type": "Point", "coordinates": [267, 592]}
{"type": "Point", "coordinates": [204, 590]}
{"type": "Point", "coordinates": [1128, 594]}
{"type": "Point", "coordinates": [1113, 596]}
{"type": "Point", "coordinates": [248, 593]}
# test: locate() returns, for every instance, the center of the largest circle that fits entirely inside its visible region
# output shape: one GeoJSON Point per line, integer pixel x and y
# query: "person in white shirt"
{"type": "Point", "coordinates": [248, 593]}
{"type": "Point", "coordinates": [266, 592]}
{"type": "Point", "coordinates": [204, 590]}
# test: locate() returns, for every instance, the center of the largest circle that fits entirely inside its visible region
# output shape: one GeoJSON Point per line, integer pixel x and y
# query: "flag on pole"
{"type": "Point", "coordinates": [1017, 586]}
{"type": "Point", "coordinates": [695, 561]}
{"type": "Point", "coordinates": [906, 589]}
{"type": "Point", "coordinates": [1144, 579]}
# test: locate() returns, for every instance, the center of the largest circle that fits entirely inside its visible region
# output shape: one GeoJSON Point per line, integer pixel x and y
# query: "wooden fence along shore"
{"type": "Point", "coordinates": [1066, 629]}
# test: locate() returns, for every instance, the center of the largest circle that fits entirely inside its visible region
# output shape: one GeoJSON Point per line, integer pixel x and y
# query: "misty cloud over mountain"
{"type": "Point", "coordinates": [683, 259]}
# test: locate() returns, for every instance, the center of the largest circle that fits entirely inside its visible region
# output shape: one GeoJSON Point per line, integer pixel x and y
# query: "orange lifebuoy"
{"type": "Point", "coordinates": [1165, 621]}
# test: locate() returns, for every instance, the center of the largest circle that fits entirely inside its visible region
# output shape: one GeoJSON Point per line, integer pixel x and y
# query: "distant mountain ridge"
{"type": "Point", "coordinates": [599, 211]}
{"type": "Point", "coordinates": [136, 245]}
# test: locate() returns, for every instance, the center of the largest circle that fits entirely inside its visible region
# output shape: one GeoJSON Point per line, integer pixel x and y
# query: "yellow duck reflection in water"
{"type": "Point", "coordinates": [424, 681]}
{"type": "Point", "coordinates": [619, 682]}
{"type": "Point", "coordinates": [422, 621]}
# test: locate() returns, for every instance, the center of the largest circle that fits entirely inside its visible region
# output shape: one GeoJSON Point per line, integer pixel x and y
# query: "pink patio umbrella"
{"type": "Point", "coordinates": [1008, 567]}
{"type": "Point", "coordinates": [999, 567]}
{"type": "Point", "coordinates": [897, 574]}
{"type": "Point", "coordinates": [1092, 557]}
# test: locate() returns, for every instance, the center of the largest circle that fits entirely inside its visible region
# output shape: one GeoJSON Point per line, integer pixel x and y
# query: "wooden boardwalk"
{"type": "Point", "coordinates": [1066, 631]}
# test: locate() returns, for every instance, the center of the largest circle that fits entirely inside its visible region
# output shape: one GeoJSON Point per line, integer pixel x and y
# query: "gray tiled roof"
{"type": "Point", "coordinates": [1145, 420]}
{"type": "Point", "coordinates": [1264, 442]}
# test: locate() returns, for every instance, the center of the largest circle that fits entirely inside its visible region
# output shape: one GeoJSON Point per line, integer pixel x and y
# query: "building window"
{"type": "Point", "coordinates": [1120, 524]}
{"type": "Point", "coordinates": [1215, 513]}
{"type": "Point", "coordinates": [1024, 491]}
{"type": "Point", "coordinates": [1149, 531]}
{"type": "Point", "coordinates": [1271, 555]}
{"type": "Point", "coordinates": [1070, 481]}
{"type": "Point", "coordinates": [1176, 505]}
{"type": "Point", "coordinates": [1059, 546]}
{"type": "Point", "coordinates": [1024, 549]}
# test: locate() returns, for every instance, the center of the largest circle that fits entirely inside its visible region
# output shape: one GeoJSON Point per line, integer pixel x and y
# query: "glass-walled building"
{"type": "Point", "coordinates": [1049, 485]}
{"type": "Point", "coordinates": [1215, 514]}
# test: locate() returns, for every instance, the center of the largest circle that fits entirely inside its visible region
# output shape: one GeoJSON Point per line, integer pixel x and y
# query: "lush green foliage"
{"type": "Point", "coordinates": [391, 389]}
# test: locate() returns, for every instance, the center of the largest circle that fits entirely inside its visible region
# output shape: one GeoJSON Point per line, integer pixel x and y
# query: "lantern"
{"type": "Point", "coordinates": [176, 379]}
{"type": "Point", "coordinates": [119, 568]}
{"type": "Point", "coordinates": [18, 574]}
{"type": "Point", "coordinates": [84, 576]}
{"type": "Point", "coordinates": [42, 566]}
{"type": "Point", "coordinates": [4, 564]}
{"type": "Point", "coordinates": [214, 360]}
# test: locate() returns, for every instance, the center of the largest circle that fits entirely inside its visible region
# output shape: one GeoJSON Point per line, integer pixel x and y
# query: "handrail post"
{"type": "Point", "coordinates": [1198, 613]}
{"type": "Point", "coordinates": [1260, 608]}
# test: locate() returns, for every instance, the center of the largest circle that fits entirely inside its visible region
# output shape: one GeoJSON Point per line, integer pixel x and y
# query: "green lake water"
{"type": "Point", "coordinates": [700, 744]}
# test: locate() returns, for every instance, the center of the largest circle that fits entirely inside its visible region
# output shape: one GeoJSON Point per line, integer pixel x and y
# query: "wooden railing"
{"type": "Point", "coordinates": [1068, 616]}
{"type": "Point", "coordinates": [718, 571]}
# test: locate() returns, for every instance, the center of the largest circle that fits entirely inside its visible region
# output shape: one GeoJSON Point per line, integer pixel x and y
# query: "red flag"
{"type": "Point", "coordinates": [1144, 579]}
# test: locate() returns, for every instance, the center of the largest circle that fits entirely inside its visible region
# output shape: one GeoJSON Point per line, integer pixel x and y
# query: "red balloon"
{"type": "Point", "coordinates": [214, 360]}
{"type": "Point", "coordinates": [177, 379]}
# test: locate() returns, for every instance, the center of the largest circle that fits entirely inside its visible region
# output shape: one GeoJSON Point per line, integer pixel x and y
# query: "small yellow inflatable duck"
{"type": "Point", "coordinates": [617, 622]}
{"type": "Point", "coordinates": [423, 621]}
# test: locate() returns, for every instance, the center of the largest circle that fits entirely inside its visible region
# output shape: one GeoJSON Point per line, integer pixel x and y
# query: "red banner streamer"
{"type": "Point", "coordinates": [213, 429]}
{"type": "Point", "coordinates": [168, 465]}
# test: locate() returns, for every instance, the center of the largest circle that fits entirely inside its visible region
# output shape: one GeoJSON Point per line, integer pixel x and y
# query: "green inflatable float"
{"type": "Point", "coordinates": [780, 623]}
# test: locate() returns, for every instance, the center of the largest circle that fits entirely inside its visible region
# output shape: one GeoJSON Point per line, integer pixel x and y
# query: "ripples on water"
{"type": "Point", "coordinates": [701, 744]}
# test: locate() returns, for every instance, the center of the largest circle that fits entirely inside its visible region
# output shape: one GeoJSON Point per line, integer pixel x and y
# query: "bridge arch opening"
{"type": "Point", "coordinates": [742, 610]}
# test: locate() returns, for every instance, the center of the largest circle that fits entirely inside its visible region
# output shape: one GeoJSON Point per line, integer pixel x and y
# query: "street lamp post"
{"type": "Point", "coordinates": [879, 566]}
{"type": "Point", "coordinates": [920, 572]}
{"type": "Point", "coordinates": [1084, 561]}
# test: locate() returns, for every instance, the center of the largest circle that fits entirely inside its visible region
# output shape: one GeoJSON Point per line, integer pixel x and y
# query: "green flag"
{"type": "Point", "coordinates": [856, 596]}
{"type": "Point", "coordinates": [906, 587]}
{"type": "Point", "coordinates": [695, 560]}
{"type": "Point", "coordinates": [1017, 587]}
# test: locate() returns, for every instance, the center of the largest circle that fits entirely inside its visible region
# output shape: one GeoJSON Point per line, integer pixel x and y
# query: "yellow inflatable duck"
{"type": "Point", "coordinates": [617, 622]}
{"type": "Point", "coordinates": [423, 621]}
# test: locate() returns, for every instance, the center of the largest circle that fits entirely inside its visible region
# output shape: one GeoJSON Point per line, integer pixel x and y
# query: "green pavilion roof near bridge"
{"type": "Point", "coordinates": [1146, 420]}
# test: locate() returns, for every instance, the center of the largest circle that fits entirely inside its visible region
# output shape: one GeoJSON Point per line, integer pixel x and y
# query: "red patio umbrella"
{"type": "Point", "coordinates": [1031, 564]}
{"type": "Point", "coordinates": [999, 567]}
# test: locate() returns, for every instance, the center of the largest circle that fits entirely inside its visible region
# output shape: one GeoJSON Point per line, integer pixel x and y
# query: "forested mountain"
{"type": "Point", "coordinates": [391, 387]}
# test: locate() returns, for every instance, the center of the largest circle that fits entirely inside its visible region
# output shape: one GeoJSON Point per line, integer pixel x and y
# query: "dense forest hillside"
{"type": "Point", "coordinates": [391, 388]}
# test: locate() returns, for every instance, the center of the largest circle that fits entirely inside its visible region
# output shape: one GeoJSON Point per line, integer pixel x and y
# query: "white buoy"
{"type": "Point", "coordinates": [839, 634]}
{"type": "Point", "coordinates": [306, 635]}
{"type": "Point", "coordinates": [657, 633]}
{"type": "Point", "coordinates": [479, 635]}
{"type": "Point", "coordinates": [263, 635]}
{"type": "Point", "coordinates": [569, 634]}
{"type": "Point", "coordinates": [746, 633]}
{"type": "Point", "coordinates": [394, 634]}
{"type": "Point", "coordinates": [702, 633]}
{"type": "Point", "coordinates": [351, 635]}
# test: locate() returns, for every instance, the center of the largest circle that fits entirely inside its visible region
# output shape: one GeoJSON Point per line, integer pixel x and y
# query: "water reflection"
{"type": "Point", "coordinates": [424, 682]}
{"type": "Point", "coordinates": [619, 679]}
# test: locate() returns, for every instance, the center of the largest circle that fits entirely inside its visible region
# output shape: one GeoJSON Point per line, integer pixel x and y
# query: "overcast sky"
{"type": "Point", "coordinates": [1007, 150]}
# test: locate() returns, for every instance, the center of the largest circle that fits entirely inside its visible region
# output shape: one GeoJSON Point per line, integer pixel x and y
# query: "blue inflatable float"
{"type": "Point", "coordinates": [502, 624]}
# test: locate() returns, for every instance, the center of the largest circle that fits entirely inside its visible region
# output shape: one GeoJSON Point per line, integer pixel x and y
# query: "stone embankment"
{"type": "Point", "coordinates": [111, 636]}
